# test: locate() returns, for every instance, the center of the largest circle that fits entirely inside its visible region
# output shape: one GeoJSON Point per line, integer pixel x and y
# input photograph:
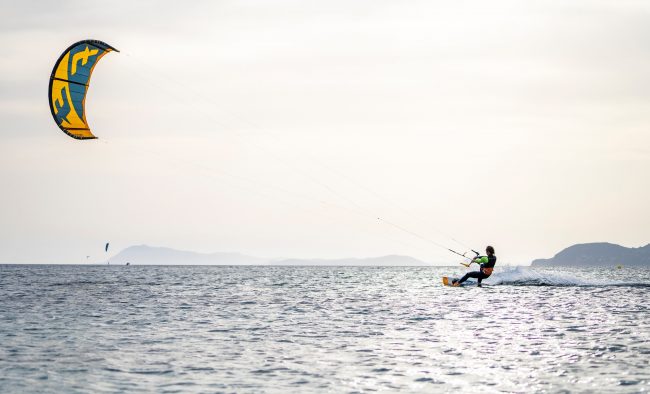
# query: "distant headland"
{"type": "Point", "coordinates": [598, 254]}
{"type": "Point", "coordinates": [150, 255]}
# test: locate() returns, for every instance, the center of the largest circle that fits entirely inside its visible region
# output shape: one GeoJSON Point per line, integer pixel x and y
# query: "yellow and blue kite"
{"type": "Point", "coordinates": [69, 84]}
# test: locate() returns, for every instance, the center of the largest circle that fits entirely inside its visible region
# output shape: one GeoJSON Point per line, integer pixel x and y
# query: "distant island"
{"type": "Point", "coordinates": [150, 255]}
{"type": "Point", "coordinates": [598, 254]}
{"type": "Point", "coordinates": [153, 255]}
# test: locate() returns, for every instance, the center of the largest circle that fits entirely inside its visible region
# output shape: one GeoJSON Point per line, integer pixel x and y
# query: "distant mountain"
{"type": "Point", "coordinates": [390, 260]}
{"type": "Point", "coordinates": [149, 255]}
{"type": "Point", "coordinates": [600, 254]}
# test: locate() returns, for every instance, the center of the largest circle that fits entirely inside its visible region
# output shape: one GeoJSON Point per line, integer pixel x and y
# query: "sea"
{"type": "Point", "coordinates": [275, 329]}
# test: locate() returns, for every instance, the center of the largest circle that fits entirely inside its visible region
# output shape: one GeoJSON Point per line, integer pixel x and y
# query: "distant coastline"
{"type": "Point", "coordinates": [151, 255]}
{"type": "Point", "coordinates": [598, 254]}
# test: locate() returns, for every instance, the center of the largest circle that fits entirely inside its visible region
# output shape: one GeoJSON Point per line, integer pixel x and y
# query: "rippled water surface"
{"type": "Point", "coordinates": [321, 329]}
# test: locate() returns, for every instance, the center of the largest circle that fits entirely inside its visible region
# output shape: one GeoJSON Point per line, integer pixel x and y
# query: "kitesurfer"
{"type": "Point", "coordinates": [486, 264]}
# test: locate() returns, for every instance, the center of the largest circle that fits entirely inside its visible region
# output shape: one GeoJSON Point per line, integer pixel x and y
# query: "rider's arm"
{"type": "Point", "coordinates": [481, 259]}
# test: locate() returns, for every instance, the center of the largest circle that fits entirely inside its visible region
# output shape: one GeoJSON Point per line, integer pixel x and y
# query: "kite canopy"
{"type": "Point", "coordinates": [69, 84]}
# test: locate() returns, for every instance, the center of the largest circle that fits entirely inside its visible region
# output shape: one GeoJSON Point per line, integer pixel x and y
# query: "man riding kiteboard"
{"type": "Point", "coordinates": [486, 264]}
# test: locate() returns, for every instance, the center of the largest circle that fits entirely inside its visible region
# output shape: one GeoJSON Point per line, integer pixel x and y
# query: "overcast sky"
{"type": "Point", "coordinates": [286, 128]}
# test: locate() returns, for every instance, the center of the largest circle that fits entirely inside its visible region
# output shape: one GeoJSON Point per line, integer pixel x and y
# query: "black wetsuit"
{"type": "Point", "coordinates": [484, 272]}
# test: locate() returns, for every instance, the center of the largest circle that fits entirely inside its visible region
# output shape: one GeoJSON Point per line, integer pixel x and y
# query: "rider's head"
{"type": "Point", "coordinates": [489, 250]}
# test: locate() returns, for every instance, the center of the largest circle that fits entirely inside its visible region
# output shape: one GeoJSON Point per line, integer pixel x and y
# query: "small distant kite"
{"type": "Point", "coordinates": [106, 247]}
{"type": "Point", "coordinates": [69, 84]}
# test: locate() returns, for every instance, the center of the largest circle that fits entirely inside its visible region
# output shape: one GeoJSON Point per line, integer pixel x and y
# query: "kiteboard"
{"type": "Point", "coordinates": [447, 281]}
